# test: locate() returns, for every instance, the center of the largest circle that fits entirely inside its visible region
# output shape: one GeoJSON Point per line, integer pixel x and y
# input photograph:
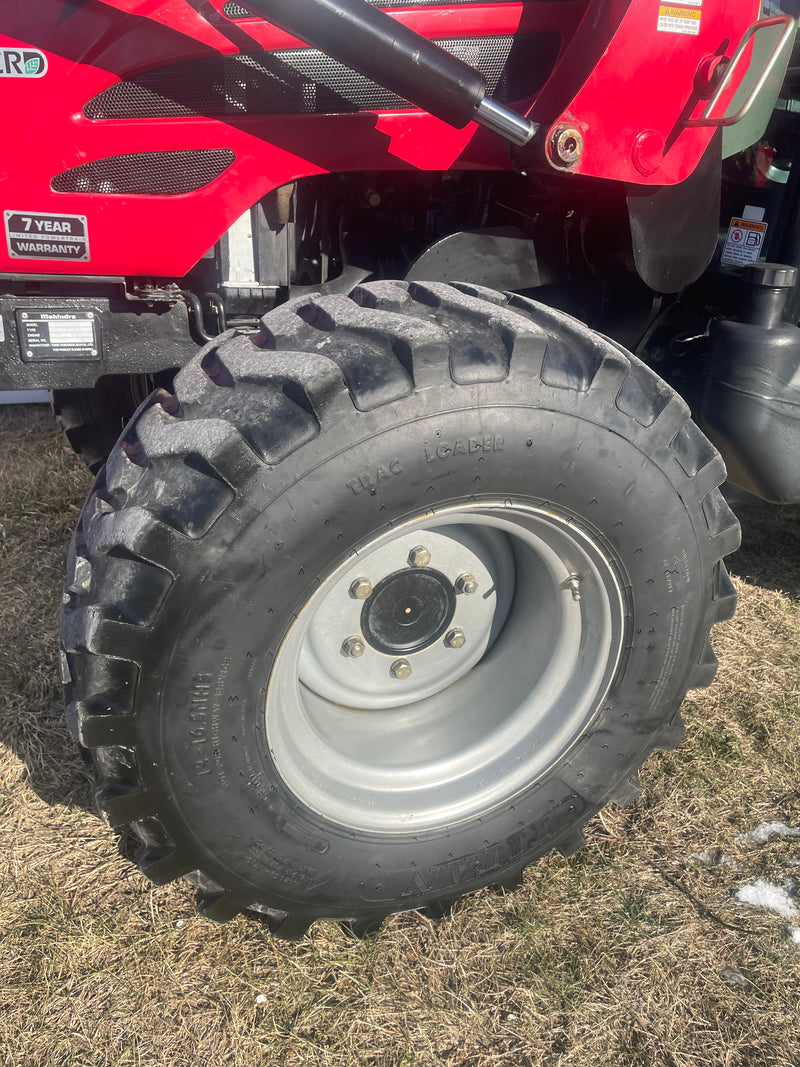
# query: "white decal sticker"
{"type": "Point", "coordinates": [683, 19]}
{"type": "Point", "coordinates": [2, 330]}
{"type": "Point", "coordinates": [22, 63]}
{"type": "Point", "coordinates": [744, 242]}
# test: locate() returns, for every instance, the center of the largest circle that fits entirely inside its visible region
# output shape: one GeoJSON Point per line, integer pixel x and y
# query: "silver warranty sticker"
{"type": "Point", "coordinates": [34, 235]}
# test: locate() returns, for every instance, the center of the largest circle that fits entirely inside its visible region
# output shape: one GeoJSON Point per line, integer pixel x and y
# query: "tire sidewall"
{"type": "Point", "coordinates": [242, 584]}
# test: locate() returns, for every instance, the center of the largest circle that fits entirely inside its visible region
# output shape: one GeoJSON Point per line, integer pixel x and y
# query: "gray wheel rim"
{"type": "Point", "coordinates": [472, 725]}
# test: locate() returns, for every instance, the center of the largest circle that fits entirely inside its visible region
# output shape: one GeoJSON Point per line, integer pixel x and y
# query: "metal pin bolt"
{"type": "Point", "coordinates": [574, 584]}
{"type": "Point", "coordinates": [401, 669]}
{"type": "Point", "coordinates": [566, 146]}
{"type": "Point", "coordinates": [419, 557]}
{"type": "Point", "coordinates": [455, 639]}
{"type": "Point", "coordinates": [354, 647]}
{"type": "Point", "coordinates": [361, 588]}
{"type": "Point", "coordinates": [466, 583]}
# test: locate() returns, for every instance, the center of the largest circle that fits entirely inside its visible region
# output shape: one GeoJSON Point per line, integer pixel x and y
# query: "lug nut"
{"type": "Point", "coordinates": [466, 583]}
{"type": "Point", "coordinates": [361, 589]}
{"type": "Point", "coordinates": [419, 557]}
{"type": "Point", "coordinates": [354, 647]}
{"type": "Point", "coordinates": [455, 639]}
{"type": "Point", "coordinates": [401, 669]}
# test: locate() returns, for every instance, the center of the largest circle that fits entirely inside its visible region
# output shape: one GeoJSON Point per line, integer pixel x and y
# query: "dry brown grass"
{"type": "Point", "coordinates": [612, 957]}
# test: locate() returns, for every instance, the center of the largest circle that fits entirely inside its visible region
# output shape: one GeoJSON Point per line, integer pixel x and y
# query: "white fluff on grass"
{"type": "Point", "coordinates": [762, 894]}
{"type": "Point", "coordinates": [794, 934]}
{"type": "Point", "coordinates": [760, 834]}
{"type": "Point", "coordinates": [713, 858]}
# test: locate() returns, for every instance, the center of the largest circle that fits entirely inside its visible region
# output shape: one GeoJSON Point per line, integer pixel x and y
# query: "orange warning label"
{"type": "Point", "coordinates": [672, 19]}
{"type": "Point", "coordinates": [747, 224]}
{"type": "Point", "coordinates": [744, 242]}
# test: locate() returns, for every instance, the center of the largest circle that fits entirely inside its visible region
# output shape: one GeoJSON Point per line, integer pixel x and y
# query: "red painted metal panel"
{"type": "Point", "coordinates": [640, 80]}
{"type": "Point", "coordinates": [629, 109]}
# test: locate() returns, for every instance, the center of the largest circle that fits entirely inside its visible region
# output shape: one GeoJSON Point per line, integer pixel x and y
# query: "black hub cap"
{"type": "Point", "coordinates": [408, 611]}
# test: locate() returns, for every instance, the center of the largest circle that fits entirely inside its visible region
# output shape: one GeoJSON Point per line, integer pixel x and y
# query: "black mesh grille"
{"type": "Point", "coordinates": [233, 10]}
{"type": "Point", "coordinates": [304, 81]}
{"type": "Point", "coordinates": [151, 173]}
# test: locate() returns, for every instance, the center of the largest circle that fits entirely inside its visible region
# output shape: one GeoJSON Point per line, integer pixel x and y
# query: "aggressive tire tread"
{"type": "Point", "coordinates": [249, 402]}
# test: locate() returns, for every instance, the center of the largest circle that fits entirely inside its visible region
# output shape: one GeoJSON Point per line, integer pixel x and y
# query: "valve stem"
{"type": "Point", "coordinates": [574, 584]}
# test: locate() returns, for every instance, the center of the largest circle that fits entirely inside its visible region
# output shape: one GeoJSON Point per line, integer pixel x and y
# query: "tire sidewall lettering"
{"type": "Point", "coordinates": [294, 851]}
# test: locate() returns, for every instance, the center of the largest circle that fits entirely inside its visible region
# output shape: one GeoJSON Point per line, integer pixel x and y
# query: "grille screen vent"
{"type": "Point", "coordinates": [233, 10]}
{"type": "Point", "coordinates": [151, 173]}
{"type": "Point", "coordinates": [305, 81]}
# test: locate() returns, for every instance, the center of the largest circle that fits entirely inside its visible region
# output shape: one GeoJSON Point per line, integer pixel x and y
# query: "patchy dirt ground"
{"type": "Point", "coordinates": [640, 951]}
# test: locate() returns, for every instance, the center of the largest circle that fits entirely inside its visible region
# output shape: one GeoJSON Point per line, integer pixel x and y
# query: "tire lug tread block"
{"type": "Point", "coordinates": [89, 425]}
{"type": "Point", "coordinates": [724, 597]}
{"type": "Point", "coordinates": [121, 475]}
{"type": "Point", "coordinates": [363, 928]}
{"type": "Point", "coordinates": [439, 909]}
{"type": "Point", "coordinates": [292, 927]}
{"type": "Point", "coordinates": [482, 346]}
{"type": "Point", "coordinates": [79, 574]}
{"type": "Point", "coordinates": [390, 295]}
{"type": "Point", "coordinates": [373, 371]}
{"type": "Point", "coordinates": [670, 421]}
{"type": "Point", "coordinates": [312, 379]}
{"type": "Point", "coordinates": [252, 417]}
{"type": "Point", "coordinates": [706, 668]}
{"type": "Point", "coordinates": [221, 907]}
{"type": "Point", "coordinates": [670, 736]}
{"type": "Point", "coordinates": [120, 808]}
{"type": "Point", "coordinates": [86, 629]}
{"type": "Point", "coordinates": [577, 358]}
{"type": "Point", "coordinates": [161, 867]}
{"type": "Point", "coordinates": [270, 422]}
{"type": "Point", "coordinates": [137, 531]}
{"type": "Point", "coordinates": [626, 792]}
{"type": "Point", "coordinates": [96, 731]}
{"type": "Point", "coordinates": [285, 926]}
{"type": "Point", "coordinates": [511, 882]}
{"type": "Point", "coordinates": [571, 843]}
{"type": "Point", "coordinates": [481, 291]}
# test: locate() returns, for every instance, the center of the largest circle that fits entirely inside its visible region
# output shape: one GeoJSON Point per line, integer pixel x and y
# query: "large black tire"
{"type": "Point", "coordinates": [219, 557]}
{"type": "Point", "coordinates": [93, 419]}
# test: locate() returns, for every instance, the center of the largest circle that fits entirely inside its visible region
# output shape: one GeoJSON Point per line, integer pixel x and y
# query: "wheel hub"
{"type": "Point", "coordinates": [408, 611]}
{"type": "Point", "coordinates": [445, 666]}
{"type": "Point", "coordinates": [386, 605]}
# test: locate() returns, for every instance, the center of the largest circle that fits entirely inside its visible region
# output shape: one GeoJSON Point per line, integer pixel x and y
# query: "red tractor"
{"type": "Point", "coordinates": [402, 561]}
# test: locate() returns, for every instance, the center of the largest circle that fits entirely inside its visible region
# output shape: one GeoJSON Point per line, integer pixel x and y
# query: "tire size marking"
{"type": "Point", "coordinates": [452, 873]}
{"type": "Point", "coordinates": [462, 446]}
{"type": "Point", "coordinates": [676, 570]}
{"type": "Point", "coordinates": [205, 718]}
{"type": "Point", "coordinates": [261, 856]}
{"type": "Point", "coordinates": [462, 869]}
{"type": "Point", "coordinates": [676, 622]}
{"type": "Point", "coordinates": [371, 479]}
{"type": "Point", "coordinates": [198, 718]}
